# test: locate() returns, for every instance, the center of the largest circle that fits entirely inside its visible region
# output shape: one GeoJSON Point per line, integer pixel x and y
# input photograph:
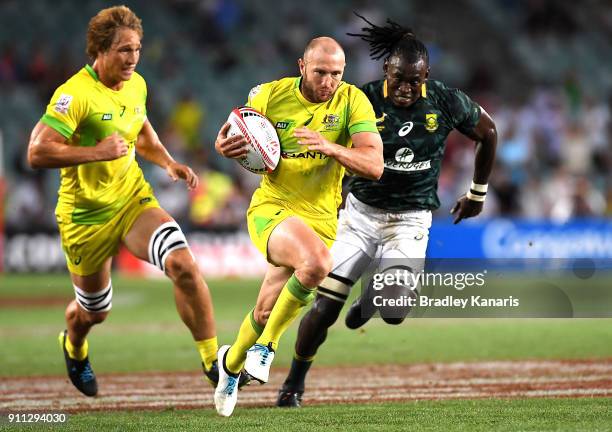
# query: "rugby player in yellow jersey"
{"type": "Point", "coordinates": [324, 125]}
{"type": "Point", "coordinates": [93, 127]}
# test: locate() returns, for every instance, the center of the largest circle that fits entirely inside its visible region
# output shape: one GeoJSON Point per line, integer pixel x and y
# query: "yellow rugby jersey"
{"type": "Point", "coordinates": [85, 111]}
{"type": "Point", "coordinates": [309, 181]}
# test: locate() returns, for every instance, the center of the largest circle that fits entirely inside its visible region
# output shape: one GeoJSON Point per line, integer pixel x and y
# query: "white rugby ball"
{"type": "Point", "coordinates": [263, 150]}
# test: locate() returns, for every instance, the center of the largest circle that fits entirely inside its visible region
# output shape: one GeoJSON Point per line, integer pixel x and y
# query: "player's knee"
{"type": "Point", "coordinates": [315, 268]}
{"type": "Point", "coordinates": [84, 317]}
{"type": "Point", "coordinates": [166, 241]}
{"type": "Point", "coordinates": [325, 310]}
{"type": "Point", "coordinates": [181, 267]}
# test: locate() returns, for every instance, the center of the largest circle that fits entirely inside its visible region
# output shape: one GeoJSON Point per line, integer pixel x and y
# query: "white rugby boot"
{"type": "Point", "coordinates": [226, 393]}
{"type": "Point", "coordinates": [258, 361]}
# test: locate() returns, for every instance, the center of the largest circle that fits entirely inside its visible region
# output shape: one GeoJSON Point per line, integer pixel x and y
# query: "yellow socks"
{"type": "Point", "coordinates": [293, 297]}
{"type": "Point", "coordinates": [76, 353]}
{"type": "Point", "coordinates": [208, 351]}
{"type": "Point", "coordinates": [247, 336]}
{"type": "Point", "coordinates": [291, 300]}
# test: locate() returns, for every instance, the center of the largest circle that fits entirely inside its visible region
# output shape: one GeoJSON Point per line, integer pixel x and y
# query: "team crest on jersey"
{"type": "Point", "coordinates": [331, 122]}
{"type": "Point", "coordinates": [431, 122]}
{"type": "Point", "coordinates": [63, 103]}
{"type": "Point", "coordinates": [107, 116]}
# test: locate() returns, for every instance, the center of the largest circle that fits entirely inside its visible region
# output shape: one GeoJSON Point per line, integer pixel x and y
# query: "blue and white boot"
{"type": "Point", "coordinates": [226, 393]}
{"type": "Point", "coordinates": [258, 361]}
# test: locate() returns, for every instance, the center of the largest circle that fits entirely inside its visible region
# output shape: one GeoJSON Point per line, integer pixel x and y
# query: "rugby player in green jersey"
{"type": "Point", "coordinates": [390, 218]}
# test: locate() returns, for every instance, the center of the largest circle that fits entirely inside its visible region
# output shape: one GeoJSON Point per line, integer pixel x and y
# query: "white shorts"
{"type": "Point", "coordinates": [367, 234]}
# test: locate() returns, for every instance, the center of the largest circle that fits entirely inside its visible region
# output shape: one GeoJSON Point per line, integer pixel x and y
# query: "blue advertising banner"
{"type": "Point", "coordinates": [505, 238]}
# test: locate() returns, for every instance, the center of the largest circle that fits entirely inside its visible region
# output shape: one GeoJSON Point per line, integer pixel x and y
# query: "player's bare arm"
{"type": "Point", "coordinates": [485, 135]}
{"type": "Point", "coordinates": [233, 147]}
{"type": "Point", "coordinates": [49, 149]}
{"type": "Point", "coordinates": [365, 158]}
{"type": "Point", "coordinates": [151, 148]}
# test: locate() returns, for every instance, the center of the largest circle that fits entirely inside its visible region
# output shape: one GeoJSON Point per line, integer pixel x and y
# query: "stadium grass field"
{"type": "Point", "coordinates": [144, 333]}
{"type": "Point", "coordinates": [481, 415]}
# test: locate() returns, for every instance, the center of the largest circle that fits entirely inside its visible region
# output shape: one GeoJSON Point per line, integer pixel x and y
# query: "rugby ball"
{"type": "Point", "coordinates": [263, 149]}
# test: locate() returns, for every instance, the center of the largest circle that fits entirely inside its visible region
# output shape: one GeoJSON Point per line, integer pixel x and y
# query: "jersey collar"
{"type": "Point", "coordinates": [92, 72]}
{"type": "Point", "coordinates": [298, 93]}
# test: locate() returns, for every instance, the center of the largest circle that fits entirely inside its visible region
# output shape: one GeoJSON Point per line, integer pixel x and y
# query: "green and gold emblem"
{"type": "Point", "coordinates": [431, 122]}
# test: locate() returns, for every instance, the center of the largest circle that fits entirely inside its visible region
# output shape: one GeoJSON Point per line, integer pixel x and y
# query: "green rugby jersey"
{"type": "Point", "coordinates": [413, 145]}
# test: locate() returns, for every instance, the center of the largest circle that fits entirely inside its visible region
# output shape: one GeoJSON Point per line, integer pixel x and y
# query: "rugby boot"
{"type": "Point", "coordinates": [79, 371]}
{"type": "Point", "coordinates": [258, 361]}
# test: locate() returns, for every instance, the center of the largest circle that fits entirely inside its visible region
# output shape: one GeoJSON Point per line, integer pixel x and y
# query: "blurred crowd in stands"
{"type": "Point", "coordinates": [554, 149]}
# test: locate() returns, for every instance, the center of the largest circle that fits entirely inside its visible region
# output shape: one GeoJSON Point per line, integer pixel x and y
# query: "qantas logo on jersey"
{"type": "Point", "coordinates": [403, 161]}
{"type": "Point", "coordinates": [304, 155]}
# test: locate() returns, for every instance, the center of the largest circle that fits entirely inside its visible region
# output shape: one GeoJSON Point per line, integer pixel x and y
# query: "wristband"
{"type": "Point", "coordinates": [475, 187]}
{"type": "Point", "coordinates": [473, 197]}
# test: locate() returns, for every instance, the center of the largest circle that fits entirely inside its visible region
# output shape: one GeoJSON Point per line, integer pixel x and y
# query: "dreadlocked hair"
{"type": "Point", "coordinates": [392, 39]}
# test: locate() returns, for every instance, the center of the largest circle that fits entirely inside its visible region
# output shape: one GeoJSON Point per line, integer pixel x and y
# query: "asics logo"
{"type": "Point", "coordinates": [405, 129]}
{"type": "Point", "coordinates": [231, 386]}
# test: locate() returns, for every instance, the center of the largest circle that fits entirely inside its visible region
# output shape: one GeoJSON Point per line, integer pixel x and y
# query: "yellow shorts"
{"type": "Point", "coordinates": [264, 216]}
{"type": "Point", "coordinates": [88, 246]}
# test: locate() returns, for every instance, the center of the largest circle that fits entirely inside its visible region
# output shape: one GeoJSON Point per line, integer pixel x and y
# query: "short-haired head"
{"type": "Point", "coordinates": [322, 45]}
{"type": "Point", "coordinates": [321, 67]}
{"type": "Point", "coordinates": [105, 25]}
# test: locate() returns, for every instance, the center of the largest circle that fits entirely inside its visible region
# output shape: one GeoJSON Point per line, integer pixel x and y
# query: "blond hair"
{"type": "Point", "coordinates": [104, 26]}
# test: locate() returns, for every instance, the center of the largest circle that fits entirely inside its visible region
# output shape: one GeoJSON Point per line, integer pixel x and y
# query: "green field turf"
{"type": "Point", "coordinates": [144, 332]}
{"type": "Point", "coordinates": [477, 415]}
